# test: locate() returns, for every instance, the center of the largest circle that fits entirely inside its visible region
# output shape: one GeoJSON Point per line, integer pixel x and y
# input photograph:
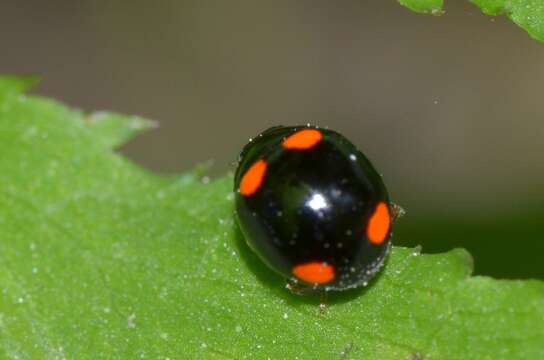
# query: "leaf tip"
{"type": "Point", "coordinates": [429, 7]}
{"type": "Point", "coordinates": [115, 129]}
{"type": "Point", "coordinates": [465, 258]}
{"type": "Point", "coordinates": [17, 84]}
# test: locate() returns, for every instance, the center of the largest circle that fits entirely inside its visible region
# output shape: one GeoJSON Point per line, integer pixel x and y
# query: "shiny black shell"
{"type": "Point", "coordinates": [313, 205]}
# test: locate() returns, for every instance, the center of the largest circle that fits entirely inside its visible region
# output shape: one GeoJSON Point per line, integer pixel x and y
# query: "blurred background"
{"type": "Point", "coordinates": [449, 108]}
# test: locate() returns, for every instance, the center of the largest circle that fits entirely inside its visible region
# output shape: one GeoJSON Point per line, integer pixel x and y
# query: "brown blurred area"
{"type": "Point", "coordinates": [449, 108]}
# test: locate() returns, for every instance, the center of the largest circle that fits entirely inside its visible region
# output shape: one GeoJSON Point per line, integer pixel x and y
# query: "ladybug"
{"type": "Point", "coordinates": [313, 207]}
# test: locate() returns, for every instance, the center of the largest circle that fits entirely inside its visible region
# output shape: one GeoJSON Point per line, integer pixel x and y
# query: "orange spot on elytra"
{"type": "Point", "coordinates": [314, 272]}
{"type": "Point", "coordinates": [303, 139]}
{"type": "Point", "coordinates": [253, 178]}
{"type": "Point", "coordinates": [378, 225]}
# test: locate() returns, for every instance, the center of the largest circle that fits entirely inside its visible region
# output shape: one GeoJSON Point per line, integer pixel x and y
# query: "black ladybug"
{"type": "Point", "coordinates": [313, 207]}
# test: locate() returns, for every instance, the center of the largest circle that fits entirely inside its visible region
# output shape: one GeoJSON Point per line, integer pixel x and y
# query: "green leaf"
{"type": "Point", "coordinates": [102, 259]}
{"type": "Point", "coordinates": [116, 129]}
{"type": "Point", "coordinates": [528, 14]}
{"type": "Point", "coordinates": [433, 7]}
{"type": "Point", "coordinates": [16, 84]}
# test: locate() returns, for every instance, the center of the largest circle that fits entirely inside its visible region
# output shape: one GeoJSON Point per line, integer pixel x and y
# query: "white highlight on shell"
{"type": "Point", "coordinates": [317, 202]}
